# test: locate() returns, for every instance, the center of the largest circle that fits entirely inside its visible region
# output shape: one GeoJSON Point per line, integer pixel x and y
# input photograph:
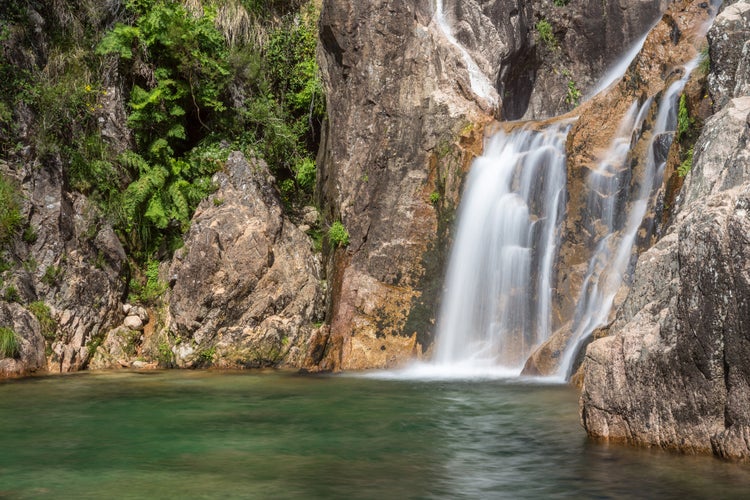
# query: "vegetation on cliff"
{"type": "Point", "coordinates": [195, 78]}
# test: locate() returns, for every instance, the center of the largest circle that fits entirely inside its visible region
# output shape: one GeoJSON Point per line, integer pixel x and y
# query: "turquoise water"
{"type": "Point", "coordinates": [193, 434]}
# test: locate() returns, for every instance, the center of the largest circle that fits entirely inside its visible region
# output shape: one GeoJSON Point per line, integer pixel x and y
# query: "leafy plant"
{"type": "Point", "coordinates": [11, 294]}
{"type": "Point", "coordinates": [187, 56]}
{"type": "Point", "coordinates": [560, 3]}
{"type": "Point", "coordinates": [165, 356]}
{"type": "Point", "coordinates": [9, 344]}
{"type": "Point", "coordinates": [434, 197]}
{"type": "Point", "coordinates": [705, 63]}
{"type": "Point", "coordinates": [30, 235]}
{"type": "Point", "coordinates": [338, 235]}
{"type": "Point", "coordinates": [306, 174]}
{"type": "Point", "coordinates": [206, 356]}
{"type": "Point", "coordinates": [546, 35]}
{"type": "Point", "coordinates": [687, 164]}
{"type": "Point", "coordinates": [10, 211]}
{"type": "Point", "coordinates": [43, 314]}
{"type": "Point", "coordinates": [573, 95]}
{"type": "Point", "coordinates": [151, 289]}
{"type": "Point", "coordinates": [684, 121]}
{"type": "Point", "coordinates": [52, 275]}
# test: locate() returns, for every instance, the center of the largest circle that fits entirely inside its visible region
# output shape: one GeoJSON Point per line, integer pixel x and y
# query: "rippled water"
{"type": "Point", "coordinates": [198, 434]}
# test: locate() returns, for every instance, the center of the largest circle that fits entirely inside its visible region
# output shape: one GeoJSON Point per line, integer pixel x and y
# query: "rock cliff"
{"type": "Point", "coordinates": [673, 370]}
{"type": "Point", "coordinates": [404, 124]}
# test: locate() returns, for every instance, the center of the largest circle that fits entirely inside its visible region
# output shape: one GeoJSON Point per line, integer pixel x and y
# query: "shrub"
{"type": "Point", "coordinates": [52, 275]}
{"type": "Point", "coordinates": [684, 121]}
{"type": "Point", "coordinates": [686, 165]}
{"type": "Point", "coordinates": [306, 174]}
{"type": "Point", "coordinates": [152, 289]}
{"type": "Point", "coordinates": [11, 294]}
{"type": "Point", "coordinates": [9, 345]}
{"type": "Point", "coordinates": [573, 95]}
{"type": "Point", "coordinates": [544, 28]}
{"type": "Point", "coordinates": [43, 314]}
{"type": "Point", "coordinates": [338, 235]}
{"type": "Point", "coordinates": [10, 211]}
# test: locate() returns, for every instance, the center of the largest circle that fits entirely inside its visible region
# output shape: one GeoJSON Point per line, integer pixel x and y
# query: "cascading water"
{"type": "Point", "coordinates": [611, 261]}
{"type": "Point", "coordinates": [480, 84]}
{"type": "Point", "coordinates": [498, 294]}
{"type": "Point", "coordinates": [496, 304]}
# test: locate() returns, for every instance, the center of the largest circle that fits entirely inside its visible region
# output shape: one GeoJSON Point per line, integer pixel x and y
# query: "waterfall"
{"type": "Point", "coordinates": [621, 65]}
{"type": "Point", "coordinates": [496, 303]}
{"type": "Point", "coordinates": [480, 84]}
{"type": "Point", "coordinates": [612, 259]}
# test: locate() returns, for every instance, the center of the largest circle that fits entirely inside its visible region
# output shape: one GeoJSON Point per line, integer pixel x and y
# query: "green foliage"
{"type": "Point", "coordinates": [546, 35]}
{"type": "Point", "coordinates": [30, 235]}
{"type": "Point", "coordinates": [705, 64]}
{"type": "Point", "coordinates": [198, 75]}
{"type": "Point", "coordinates": [687, 164]}
{"type": "Point", "coordinates": [317, 239]}
{"type": "Point", "coordinates": [9, 344]}
{"type": "Point", "coordinates": [43, 314]}
{"type": "Point", "coordinates": [165, 356]}
{"type": "Point", "coordinates": [560, 3]}
{"type": "Point", "coordinates": [338, 235]}
{"type": "Point", "coordinates": [305, 174]}
{"type": "Point", "coordinates": [157, 206]}
{"type": "Point", "coordinates": [151, 289]}
{"type": "Point", "coordinates": [10, 211]}
{"type": "Point", "coordinates": [573, 95]}
{"type": "Point", "coordinates": [206, 356]}
{"type": "Point", "coordinates": [434, 197]}
{"type": "Point", "coordinates": [684, 121]}
{"type": "Point", "coordinates": [52, 275]}
{"type": "Point", "coordinates": [11, 294]}
{"type": "Point", "coordinates": [187, 56]}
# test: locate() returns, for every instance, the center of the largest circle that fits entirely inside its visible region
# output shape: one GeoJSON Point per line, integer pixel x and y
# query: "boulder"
{"type": "Point", "coordinates": [116, 350]}
{"type": "Point", "coordinates": [246, 288]}
{"type": "Point", "coordinates": [30, 356]}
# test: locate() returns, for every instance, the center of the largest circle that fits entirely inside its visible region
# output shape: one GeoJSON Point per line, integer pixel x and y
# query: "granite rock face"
{"type": "Point", "coordinates": [673, 372]}
{"type": "Point", "coordinates": [729, 46]}
{"type": "Point", "coordinates": [246, 287]}
{"type": "Point", "coordinates": [405, 122]}
{"type": "Point", "coordinates": [73, 263]}
{"type": "Point", "coordinates": [400, 133]}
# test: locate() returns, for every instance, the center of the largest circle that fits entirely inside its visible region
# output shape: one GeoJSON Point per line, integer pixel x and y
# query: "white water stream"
{"type": "Point", "coordinates": [480, 84]}
{"type": "Point", "coordinates": [612, 260]}
{"type": "Point", "coordinates": [496, 304]}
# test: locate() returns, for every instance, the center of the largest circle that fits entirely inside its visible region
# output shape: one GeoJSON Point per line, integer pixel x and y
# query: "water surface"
{"type": "Point", "coordinates": [193, 434]}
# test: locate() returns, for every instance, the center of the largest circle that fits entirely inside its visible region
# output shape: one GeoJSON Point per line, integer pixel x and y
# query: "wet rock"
{"type": "Point", "coordinates": [246, 286]}
{"type": "Point", "coordinates": [673, 372]}
{"type": "Point", "coordinates": [598, 123]}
